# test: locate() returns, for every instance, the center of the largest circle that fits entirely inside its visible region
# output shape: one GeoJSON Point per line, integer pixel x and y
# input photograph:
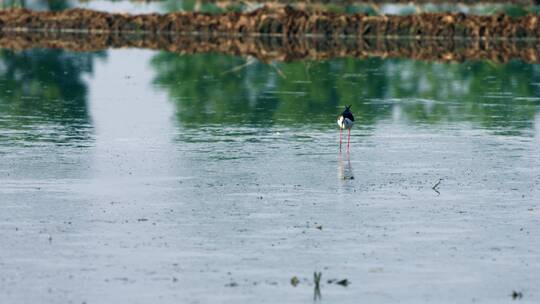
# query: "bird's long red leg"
{"type": "Point", "coordinates": [349, 140]}
{"type": "Point", "coordinates": [340, 139]}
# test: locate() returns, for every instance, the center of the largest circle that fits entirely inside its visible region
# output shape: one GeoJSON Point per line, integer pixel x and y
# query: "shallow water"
{"type": "Point", "coordinates": [137, 176]}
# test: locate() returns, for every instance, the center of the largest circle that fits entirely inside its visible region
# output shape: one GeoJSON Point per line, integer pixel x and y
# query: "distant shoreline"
{"type": "Point", "coordinates": [282, 21]}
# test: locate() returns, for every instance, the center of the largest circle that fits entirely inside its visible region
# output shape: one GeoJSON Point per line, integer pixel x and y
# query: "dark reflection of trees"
{"type": "Point", "coordinates": [43, 90]}
{"type": "Point", "coordinates": [206, 93]}
{"type": "Point", "coordinates": [207, 90]}
{"type": "Point", "coordinates": [42, 93]}
{"type": "Point", "coordinates": [496, 96]}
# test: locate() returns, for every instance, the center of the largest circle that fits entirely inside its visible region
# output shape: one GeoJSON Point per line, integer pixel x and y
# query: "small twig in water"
{"type": "Point", "coordinates": [280, 73]}
{"type": "Point", "coordinates": [317, 290]}
{"type": "Point", "coordinates": [436, 186]}
{"type": "Point", "coordinates": [249, 62]}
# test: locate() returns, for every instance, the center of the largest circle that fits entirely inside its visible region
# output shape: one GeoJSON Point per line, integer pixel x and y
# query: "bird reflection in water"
{"type": "Point", "coordinates": [345, 168]}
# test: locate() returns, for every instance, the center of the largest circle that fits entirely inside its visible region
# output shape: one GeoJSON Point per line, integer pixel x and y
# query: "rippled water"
{"type": "Point", "coordinates": [136, 176]}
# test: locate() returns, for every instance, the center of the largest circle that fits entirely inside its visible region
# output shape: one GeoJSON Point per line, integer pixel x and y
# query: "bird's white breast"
{"type": "Point", "coordinates": [345, 123]}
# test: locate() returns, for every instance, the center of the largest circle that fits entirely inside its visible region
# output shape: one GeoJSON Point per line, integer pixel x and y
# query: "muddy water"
{"type": "Point", "coordinates": [132, 176]}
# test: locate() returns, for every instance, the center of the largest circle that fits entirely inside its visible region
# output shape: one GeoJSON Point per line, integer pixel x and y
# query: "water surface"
{"type": "Point", "coordinates": [139, 176]}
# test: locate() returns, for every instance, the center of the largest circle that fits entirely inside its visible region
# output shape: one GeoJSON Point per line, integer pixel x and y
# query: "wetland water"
{"type": "Point", "coordinates": [134, 176]}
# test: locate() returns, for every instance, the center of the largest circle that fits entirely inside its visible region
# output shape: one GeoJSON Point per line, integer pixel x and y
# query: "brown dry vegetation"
{"type": "Point", "coordinates": [277, 48]}
{"type": "Point", "coordinates": [284, 21]}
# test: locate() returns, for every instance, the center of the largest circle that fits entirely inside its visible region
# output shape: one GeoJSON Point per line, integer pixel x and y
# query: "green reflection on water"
{"type": "Point", "coordinates": [206, 89]}
{"type": "Point", "coordinates": [44, 90]}
{"type": "Point", "coordinates": [216, 89]}
{"type": "Point", "coordinates": [496, 96]}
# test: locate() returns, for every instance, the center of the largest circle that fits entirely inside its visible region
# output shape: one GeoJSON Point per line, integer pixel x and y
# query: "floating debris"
{"type": "Point", "coordinates": [343, 282]}
{"type": "Point", "coordinates": [295, 281]}
{"type": "Point", "coordinates": [516, 295]}
{"type": "Point", "coordinates": [231, 284]}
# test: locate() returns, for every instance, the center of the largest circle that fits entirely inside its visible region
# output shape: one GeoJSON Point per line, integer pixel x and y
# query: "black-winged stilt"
{"type": "Point", "coordinates": [345, 121]}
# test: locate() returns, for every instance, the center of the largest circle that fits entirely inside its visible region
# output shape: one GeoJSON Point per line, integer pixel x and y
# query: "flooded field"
{"type": "Point", "coordinates": [147, 176]}
{"type": "Point", "coordinates": [179, 175]}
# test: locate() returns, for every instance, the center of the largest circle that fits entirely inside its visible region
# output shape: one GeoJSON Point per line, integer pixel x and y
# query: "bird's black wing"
{"type": "Point", "coordinates": [347, 114]}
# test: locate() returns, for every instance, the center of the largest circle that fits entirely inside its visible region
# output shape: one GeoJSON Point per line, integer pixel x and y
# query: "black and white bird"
{"type": "Point", "coordinates": [345, 121]}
